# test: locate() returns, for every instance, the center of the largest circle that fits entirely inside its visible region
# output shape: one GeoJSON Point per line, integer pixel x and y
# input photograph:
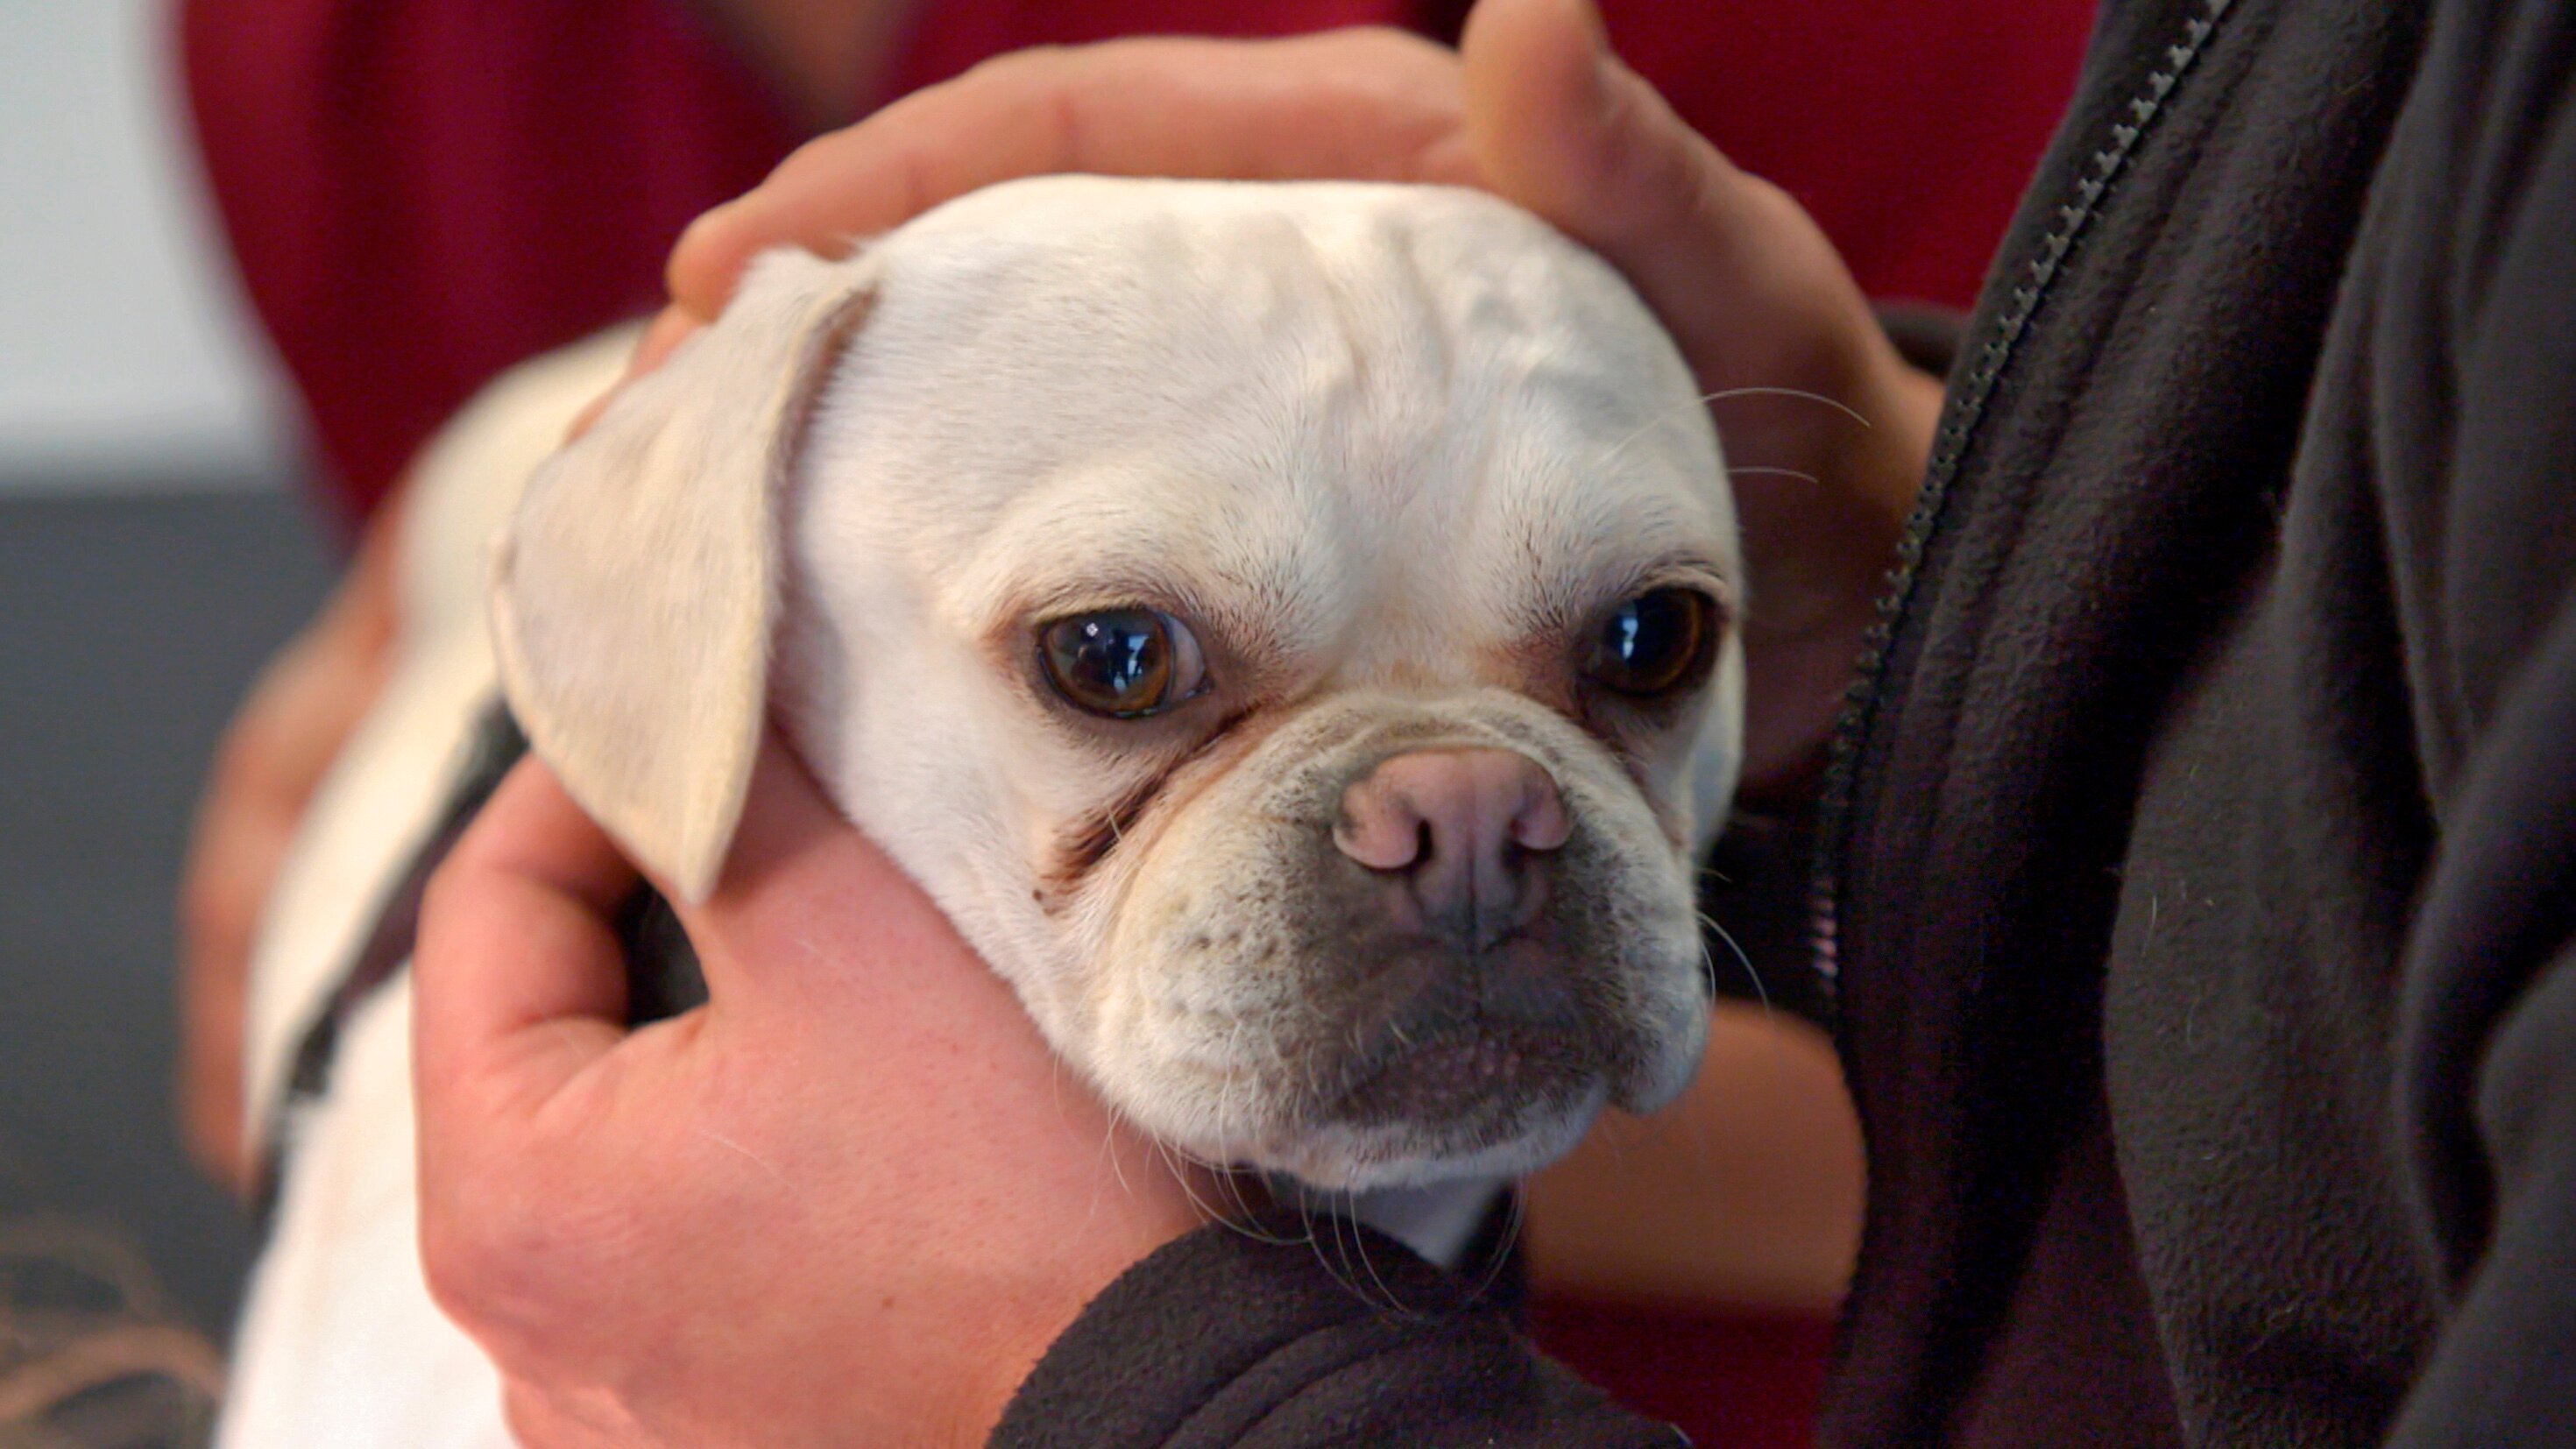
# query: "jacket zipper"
{"type": "Point", "coordinates": [1966, 408]}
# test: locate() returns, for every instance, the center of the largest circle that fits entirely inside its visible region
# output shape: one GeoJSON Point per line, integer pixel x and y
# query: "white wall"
{"type": "Point", "coordinates": [126, 356]}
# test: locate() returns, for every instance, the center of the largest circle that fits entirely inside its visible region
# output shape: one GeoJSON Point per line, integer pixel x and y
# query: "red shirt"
{"type": "Point", "coordinates": [420, 193]}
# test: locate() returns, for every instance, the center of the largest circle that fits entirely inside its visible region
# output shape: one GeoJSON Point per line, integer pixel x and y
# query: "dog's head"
{"type": "Point", "coordinates": [1289, 628]}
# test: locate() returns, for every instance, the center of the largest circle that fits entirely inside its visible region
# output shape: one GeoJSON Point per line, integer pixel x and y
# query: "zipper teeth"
{"type": "Point", "coordinates": [1958, 427]}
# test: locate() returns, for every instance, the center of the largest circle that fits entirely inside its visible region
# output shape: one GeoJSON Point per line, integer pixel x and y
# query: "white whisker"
{"type": "Point", "coordinates": [1722, 395]}
{"type": "Point", "coordinates": [1760, 992]}
{"type": "Point", "coordinates": [1846, 409]}
{"type": "Point", "coordinates": [1515, 1215]}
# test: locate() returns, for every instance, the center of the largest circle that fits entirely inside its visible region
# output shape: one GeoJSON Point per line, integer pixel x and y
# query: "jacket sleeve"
{"type": "Point", "coordinates": [2487, 1069]}
{"type": "Point", "coordinates": [1229, 1339]}
{"type": "Point", "coordinates": [2491, 1078]}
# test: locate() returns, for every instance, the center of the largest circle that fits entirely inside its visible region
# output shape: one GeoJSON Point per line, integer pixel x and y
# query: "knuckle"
{"type": "Point", "coordinates": [534, 1421]}
{"type": "Point", "coordinates": [457, 887]}
{"type": "Point", "coordinates": [527, 1423]}
{"type": "Point", "coordinates": [1029, 87]}
{"type": "Point", "coordinates": [439, 895]}
{"type": "Point", "coordinates": [493, 1260]}
{"type": "Point", "coordinates": [1034, 65]}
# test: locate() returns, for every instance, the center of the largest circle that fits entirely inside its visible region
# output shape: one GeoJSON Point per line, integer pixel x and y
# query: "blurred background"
{"type": "Point", "coordinates": [126, 357]}
{"type": "Point", "coordinates": [154, 547]}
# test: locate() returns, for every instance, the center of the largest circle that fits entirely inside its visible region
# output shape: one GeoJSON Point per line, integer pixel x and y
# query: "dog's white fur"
{"type": "Point", "coordinates": [1389, 453]}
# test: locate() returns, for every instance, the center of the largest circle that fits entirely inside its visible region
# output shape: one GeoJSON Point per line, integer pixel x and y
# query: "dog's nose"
{"type": "Point", "coordinates": [1459, 825]}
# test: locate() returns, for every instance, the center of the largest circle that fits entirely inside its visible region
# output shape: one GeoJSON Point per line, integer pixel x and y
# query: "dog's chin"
{"type": "Point", "coordinates": [1479, 1100]}
{"type": "Point", "coordinates": [1351, 1156]}
{"type": "Point", "coordinates": [1481, 1105]}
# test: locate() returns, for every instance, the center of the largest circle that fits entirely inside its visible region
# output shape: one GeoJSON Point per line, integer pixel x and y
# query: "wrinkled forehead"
{"type": "Point", "coordinates": [1275, 389]}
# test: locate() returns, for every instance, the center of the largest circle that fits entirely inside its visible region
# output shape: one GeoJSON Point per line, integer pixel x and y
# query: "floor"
{"type": "Point", "coordinates": [128, 627]}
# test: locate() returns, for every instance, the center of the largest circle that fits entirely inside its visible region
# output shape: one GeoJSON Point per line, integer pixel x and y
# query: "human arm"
{"type": "Point", "coordinates": [289, 727]}
{"type": "Point", "coordinates": [2490, 1074]}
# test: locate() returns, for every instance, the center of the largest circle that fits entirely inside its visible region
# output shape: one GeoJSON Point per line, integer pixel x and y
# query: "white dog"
{"type": "Point", "coordinates": [1288, 628]}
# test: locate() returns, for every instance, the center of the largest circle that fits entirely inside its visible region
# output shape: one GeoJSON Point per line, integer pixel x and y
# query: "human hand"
{"type": "Point", "coordinates": [850, 1200]}
{"type": "Point", "coordinates": [303, 708]}
{"type": "Point", "coordinates": [1826, 429]}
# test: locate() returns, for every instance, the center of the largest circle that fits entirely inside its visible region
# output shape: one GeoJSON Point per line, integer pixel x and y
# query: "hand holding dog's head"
{"type": "Point", "coordinates": [1288, 628]}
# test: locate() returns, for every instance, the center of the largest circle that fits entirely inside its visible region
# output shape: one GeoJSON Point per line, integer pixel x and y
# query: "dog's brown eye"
{"type": "Point", "coordinates": [1123, 663]}
{"type": "Point", "coordinates": [1656, 643]}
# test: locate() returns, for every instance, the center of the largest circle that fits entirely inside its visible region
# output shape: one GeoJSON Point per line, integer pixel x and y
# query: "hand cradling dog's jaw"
{"type": "Point", "coordinates": [1289, 628]}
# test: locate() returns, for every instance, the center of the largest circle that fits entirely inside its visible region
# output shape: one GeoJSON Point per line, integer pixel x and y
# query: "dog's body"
{"type": "Point", "coordinates": [1285, 627]}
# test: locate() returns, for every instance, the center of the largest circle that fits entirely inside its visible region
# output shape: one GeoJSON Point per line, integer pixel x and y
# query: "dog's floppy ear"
{"type": "Point", "coordinates": [635, 594]}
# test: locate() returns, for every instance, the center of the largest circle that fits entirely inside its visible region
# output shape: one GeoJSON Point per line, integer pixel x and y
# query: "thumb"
{"type": "Point", "coordinates": [1561, 127]}
{"type": "Point", "coordinates": [519, 985]}
{"type": "Point", "coordinates": [1737, 271]}
{"type": "Point", "coordinates": [1826, 428]}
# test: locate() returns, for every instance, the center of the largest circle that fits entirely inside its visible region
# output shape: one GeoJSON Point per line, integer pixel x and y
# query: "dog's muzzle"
{"type": "Point", "coordinates": [1471, 1001]}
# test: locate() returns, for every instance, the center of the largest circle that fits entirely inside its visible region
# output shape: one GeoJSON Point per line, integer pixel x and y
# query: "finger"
{"type": "Point", "coordinates": [237, 848]}
{"type": "Point", "coordinates": [234, 858]}
{"type": "Point", "coordinates": [1762, 306]}
{"type": "Point", "coordinates": [518, 981]}
{"type": "Point", "coordinates": [1558, 125]}
{"type": "Point", "coordinates": [211, 1023]}
{"type": "Point", "coordinates": [1364, 104]}
{"type": "Point", "coordinates": [668, 329]}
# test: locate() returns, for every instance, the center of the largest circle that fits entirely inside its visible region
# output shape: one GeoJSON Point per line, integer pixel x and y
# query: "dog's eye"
{"type": "Point", "coordinates": [1123, 663]}
{"type": "Point", "coordinates": [1656, 644]}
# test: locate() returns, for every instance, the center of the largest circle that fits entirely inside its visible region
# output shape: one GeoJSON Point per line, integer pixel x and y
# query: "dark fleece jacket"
{"type": "Point", "coordinates": [2199, 874]}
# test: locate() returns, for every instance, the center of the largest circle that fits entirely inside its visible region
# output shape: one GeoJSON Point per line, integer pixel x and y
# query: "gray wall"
{"type": "Point", "coordinates": [125, 358]}
{"type": "Point", "coordinates": [152, 553]}
{"type": "Point", "coordinates": [128, 625]}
